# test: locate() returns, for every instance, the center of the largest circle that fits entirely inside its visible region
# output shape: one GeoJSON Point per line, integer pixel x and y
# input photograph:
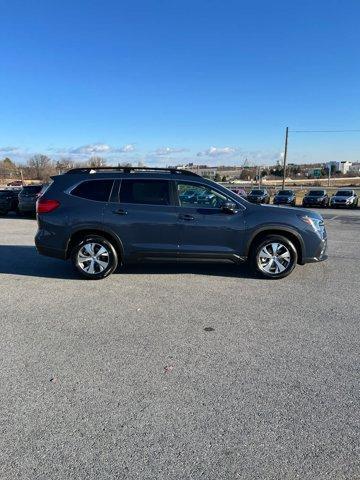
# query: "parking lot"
{"type": "Point", "coordinates": [179, 371]}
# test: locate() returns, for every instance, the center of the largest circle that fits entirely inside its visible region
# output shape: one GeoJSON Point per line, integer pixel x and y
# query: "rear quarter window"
{"type": "Point", "coordinates": [96, 190]}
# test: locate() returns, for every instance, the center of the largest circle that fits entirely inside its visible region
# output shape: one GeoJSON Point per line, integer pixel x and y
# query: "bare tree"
{"type": "Point", "coordinates": [64, 164]}
{"type": "Point", "coordinates": [97, 161]}
{"type": "Point", "coordinates": [41, 165]}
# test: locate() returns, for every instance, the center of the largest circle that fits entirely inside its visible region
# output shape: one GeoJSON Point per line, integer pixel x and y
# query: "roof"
{"type": "Point", "coordinates": [145, 170]}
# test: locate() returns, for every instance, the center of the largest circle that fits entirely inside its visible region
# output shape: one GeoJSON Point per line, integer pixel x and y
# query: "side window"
{"type": "Point", "coordinates": [146, 192]}
{"type": "Point", "coordinates": [193, 195]}
{"type": "Point", "coordinates": [98, 190]}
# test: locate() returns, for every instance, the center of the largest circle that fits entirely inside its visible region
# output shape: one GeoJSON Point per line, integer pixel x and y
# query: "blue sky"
{"type": "Point", "coordinates": [172, 81]}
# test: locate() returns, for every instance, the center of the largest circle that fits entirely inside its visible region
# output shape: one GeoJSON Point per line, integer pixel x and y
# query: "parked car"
{"type": "Point", "coordinates": [239, 191]}
{"type": "Point", "coordinates": [285, 197]}
{"type": "Point", "coordinates": [27, 198]}
{"type": "Point", "coordinates": [102, 217]}
{"type": "Point", "coordinates": [8, 201]}
{"type": "Point", "coordinates": [260, 195]}
{"type": "Point", "coordinates": [344, 198]}
{"type": "Point", "coordinates": [15, 183]}
{"type": "Point", "coordinates": [316, 198]}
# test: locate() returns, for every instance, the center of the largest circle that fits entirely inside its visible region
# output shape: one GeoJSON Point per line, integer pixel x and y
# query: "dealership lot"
{"type": "Point", "coordinates": [179, 371]}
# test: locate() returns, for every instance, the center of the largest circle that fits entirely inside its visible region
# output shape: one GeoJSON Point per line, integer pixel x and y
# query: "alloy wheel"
{"type": "Point", "coordinates": [93, 258]}
{"type": "Point", "coordinates": [274, 258]}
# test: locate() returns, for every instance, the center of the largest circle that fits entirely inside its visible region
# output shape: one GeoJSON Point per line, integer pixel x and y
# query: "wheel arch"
{"type": "Point", "coordinates": [289, 233]}
{"type": "Point", "coordinates": [78, 234]}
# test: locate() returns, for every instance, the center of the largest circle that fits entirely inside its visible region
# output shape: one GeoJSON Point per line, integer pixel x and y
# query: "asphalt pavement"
{"type": "Point", "coordinates": [178, 372]}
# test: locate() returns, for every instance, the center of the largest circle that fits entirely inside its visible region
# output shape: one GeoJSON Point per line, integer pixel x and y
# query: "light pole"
{"type": "Point", "coordinates": [285, 156]}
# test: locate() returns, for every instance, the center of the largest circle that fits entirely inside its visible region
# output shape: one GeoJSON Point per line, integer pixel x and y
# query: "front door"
{"type": "Point", "coordinates": [205, 228]}
{"type": "Point", "coordinates": [144, 218]}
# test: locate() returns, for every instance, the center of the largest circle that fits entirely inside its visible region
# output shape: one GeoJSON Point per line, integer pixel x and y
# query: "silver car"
{"type": "Point", "coordinates": [344, 198]}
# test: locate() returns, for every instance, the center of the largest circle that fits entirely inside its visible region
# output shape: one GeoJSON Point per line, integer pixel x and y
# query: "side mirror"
{"type": "Point", "coordinates": [229, 207]}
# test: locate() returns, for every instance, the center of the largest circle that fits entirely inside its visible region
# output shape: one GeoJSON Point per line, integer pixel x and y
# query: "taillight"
{"type": "Point", "coordinates": [46, 206]}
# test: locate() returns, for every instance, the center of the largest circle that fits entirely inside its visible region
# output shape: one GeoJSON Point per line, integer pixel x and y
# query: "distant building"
{"type": "Point", "coordinates": [344, 166]}
{"type": "Point", "coordinates": [355, 168]}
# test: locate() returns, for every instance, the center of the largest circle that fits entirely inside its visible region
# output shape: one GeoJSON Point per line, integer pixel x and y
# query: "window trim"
{"type": "Point", "coordinates": [171, 192]}
{"type": "Point", "coordinates": [238, 204]}
{"type": "Point", "coordinates": [69, 190]}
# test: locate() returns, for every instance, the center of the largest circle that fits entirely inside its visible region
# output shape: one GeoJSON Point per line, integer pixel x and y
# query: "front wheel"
{"type": "Point", "coordinates": [94, 257]}
{"type": "Point", "coordinates": [274, 257]}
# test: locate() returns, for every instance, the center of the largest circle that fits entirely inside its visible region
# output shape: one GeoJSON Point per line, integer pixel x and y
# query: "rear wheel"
{"type": "Point", "coordinates": [94, 257]}
{"type": "Point", "coordinates": [274, 256]}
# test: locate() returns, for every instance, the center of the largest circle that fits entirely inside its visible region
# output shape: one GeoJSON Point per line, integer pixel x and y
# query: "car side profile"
{"type": "Point", "coordinates": [316, 198]}
{"type": "Point", "coordinates": [103, 217]}
{"type": "Point", "coordinates": [285, 197]}
{"type": "Point", "coordinates": [259, 195]}
{"type": "Point", "coordinates": [345, 198]}
{"type": "Point", "coordinates": [8, 201]}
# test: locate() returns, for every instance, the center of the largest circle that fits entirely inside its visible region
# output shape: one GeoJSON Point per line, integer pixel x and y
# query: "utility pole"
{"type": "Point", "coordinates": [329, 171]}
{"type": "Point", "coordinates": [285, 156]}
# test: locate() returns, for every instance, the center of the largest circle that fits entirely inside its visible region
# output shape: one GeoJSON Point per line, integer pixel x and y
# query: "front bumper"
{"type": "Point", "coordinates": [342, 204]}
{"type": "Point", "coordinates": [313, 204]}
{"type": "Point", "coordinates": [320, 255]}
{"type": "Point", "coordinates": [283, 202]}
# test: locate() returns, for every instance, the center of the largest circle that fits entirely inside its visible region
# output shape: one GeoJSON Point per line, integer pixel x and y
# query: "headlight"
{"type": "Point", "coordinates": [316, 223]}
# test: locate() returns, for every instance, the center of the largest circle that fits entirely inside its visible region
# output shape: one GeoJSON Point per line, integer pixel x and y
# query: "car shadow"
{"type": "Point", "coordinates": [19, 216]}
{"type": "Point", "coordinates": [24, 260]}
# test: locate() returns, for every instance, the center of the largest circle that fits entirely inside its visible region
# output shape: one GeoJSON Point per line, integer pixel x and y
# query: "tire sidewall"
{"type": "Point", "coordinates": [272, 239]}
{"type": "Point", "coordinates": [113, 257]}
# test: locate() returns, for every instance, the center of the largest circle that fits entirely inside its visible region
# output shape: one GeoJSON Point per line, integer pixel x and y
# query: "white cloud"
{"type": "Point", "coordinates": [101, 149]}
{"type": "Point", "coordinates": [10, 151]}
{"type": "Point", "coordinates": [92, 148]}
{"type": "Point", "coordinates": [217, 152]}
{"type": "Point", "coordinates": [169, 150]}
{"type": "Point", "coordinates": [130, 147]}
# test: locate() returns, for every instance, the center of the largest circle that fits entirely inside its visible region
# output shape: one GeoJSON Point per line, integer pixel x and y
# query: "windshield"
{"type": "Point", "coordinates": [316, 193]}
{"type": "Point", "coordinates": [344, 193]}
{"type": "Point", "coordinates": [257, 192]}
{"type": "Point", "coordinates": [285, 192]}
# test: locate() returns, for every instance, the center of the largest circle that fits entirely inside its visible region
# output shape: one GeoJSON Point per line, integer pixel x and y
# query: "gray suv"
{"type": "Point", "coordinates": [102, 217]}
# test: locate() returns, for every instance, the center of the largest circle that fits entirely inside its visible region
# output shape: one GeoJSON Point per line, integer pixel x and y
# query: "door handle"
{"type": "Point", "coordinates": [120, 211]}
{"type": "Point", "coordinates": [186, 217]}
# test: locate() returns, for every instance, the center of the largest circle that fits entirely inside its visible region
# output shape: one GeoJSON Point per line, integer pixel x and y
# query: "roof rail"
{"type": "Point", "coordinates": [130, 169]}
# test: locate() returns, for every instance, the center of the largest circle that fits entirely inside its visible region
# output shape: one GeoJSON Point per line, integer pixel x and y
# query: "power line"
{"type": "Point", "coordinates": [325, 131]}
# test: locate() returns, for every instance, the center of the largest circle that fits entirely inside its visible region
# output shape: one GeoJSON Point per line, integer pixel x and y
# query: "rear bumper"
{"type": "Point", "coordinates": [49, 251]}
{"type": "Point", "coordinates": [27, 207]}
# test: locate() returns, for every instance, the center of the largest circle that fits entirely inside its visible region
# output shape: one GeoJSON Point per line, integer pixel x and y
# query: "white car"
{"type": "Point", "coordinates": [344, 198]}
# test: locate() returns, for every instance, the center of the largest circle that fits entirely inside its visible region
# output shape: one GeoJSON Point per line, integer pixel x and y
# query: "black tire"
{"type": "Point", "coordinates": [3, 213]}
{"type": "Point", "coordinates": [289, 247]}
{"type": "Point", "coordinates": [110, 257]}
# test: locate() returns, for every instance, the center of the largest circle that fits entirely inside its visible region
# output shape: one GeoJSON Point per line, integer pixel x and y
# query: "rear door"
{"type": "Point", "coordinates": [144, 217]}
{"type": "Point", "coordinates": [205, 229]}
